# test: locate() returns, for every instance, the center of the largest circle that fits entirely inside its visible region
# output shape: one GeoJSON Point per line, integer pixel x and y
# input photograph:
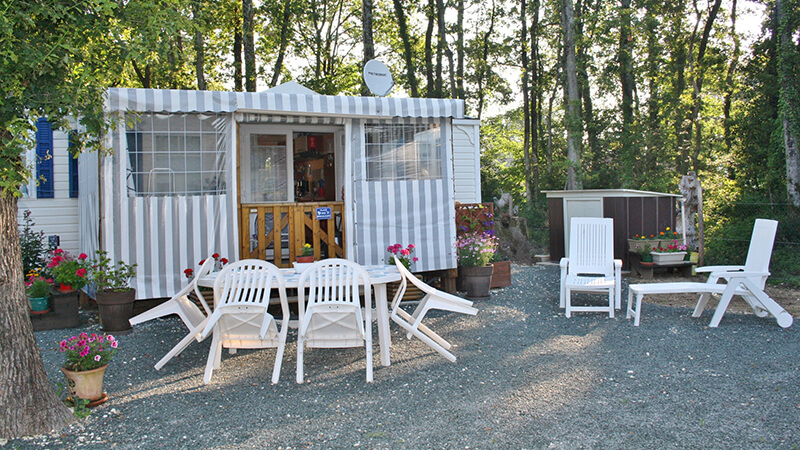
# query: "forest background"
{"type": "Point", "coordinates": [571, 93]}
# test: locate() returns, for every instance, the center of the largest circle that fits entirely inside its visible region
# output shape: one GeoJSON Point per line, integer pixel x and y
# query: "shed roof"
{"type": "Point", "coordinates": [170, 100]}
{"type": "Point", "coordinates": [598, 193]}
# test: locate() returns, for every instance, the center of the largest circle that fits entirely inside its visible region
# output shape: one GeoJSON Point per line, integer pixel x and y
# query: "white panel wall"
{"type": "Point", "coordinates": [466, 160]}
{"type": "Point", "coordinates": [59, 215]}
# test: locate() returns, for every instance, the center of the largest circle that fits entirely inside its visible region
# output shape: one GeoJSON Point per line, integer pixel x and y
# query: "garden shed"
{"type": "Point", "coordinates": [634, 212]}
{"type": "Point", "coordinates": [257, 175]}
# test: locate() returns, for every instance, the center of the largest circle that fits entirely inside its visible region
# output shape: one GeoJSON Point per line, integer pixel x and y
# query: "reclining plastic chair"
{"type": "Point", "coordinates": [433, 299]}
{"type": "Point", "coordinates": [747, 281]}
{"type": "Point", "coordinates": [190, 314]}
{"type": "Point", "coordinates": [241, 318]}
{"type": "Point", "coordinates": [591, 266]}
{"type": "Point", "coordinates": [332, 315]}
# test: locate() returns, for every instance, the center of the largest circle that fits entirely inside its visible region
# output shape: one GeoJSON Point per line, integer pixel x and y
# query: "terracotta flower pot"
{"type": "Point", "coordinates": [87, 384]}
{"type": "Point", "coordinates": [116, 309]}
{"type": "Point", "coordinates": [305, 259]}
{"type": "Point", "coordinates": [477, 281]}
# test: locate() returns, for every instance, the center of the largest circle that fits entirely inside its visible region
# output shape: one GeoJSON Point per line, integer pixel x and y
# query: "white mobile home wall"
{"type": "Point", "coordinates": [466, 160]}
{"type": "Point", "coordinates": [58, 215]}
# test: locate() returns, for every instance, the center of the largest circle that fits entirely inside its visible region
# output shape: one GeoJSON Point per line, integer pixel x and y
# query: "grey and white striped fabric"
{"type": "Point", "coordinates": [419, 212]}
{"type": "Point", "coordinates": [169, 100]}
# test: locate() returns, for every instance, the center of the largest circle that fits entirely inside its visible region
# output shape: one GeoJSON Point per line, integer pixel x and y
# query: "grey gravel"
{"type": "Point", "coordinates": [526, 377]}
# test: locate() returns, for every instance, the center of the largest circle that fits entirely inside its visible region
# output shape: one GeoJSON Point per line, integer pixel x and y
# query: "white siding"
{"type": "Point", "coordinates": [466, 161]}
{"type": "Point", "coordinates": [59, 215]}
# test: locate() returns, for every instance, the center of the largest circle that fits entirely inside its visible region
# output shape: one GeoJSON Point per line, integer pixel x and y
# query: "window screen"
{"type": "Point", "coordinates": [403, 151]}
{"type": "Point", "coordinates": [175, 154]}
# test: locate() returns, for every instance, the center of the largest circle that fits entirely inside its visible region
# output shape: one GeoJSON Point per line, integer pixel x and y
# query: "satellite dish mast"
{"type": "Point", "coordinates": [378, 78]}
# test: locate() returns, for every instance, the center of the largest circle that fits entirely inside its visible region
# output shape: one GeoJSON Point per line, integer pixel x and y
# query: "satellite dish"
{"type": "Point", "coordinates": [378, 78]}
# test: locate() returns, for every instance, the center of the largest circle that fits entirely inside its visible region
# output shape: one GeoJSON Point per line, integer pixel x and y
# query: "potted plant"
{"type": "Point", "coordinates": [69, 273]}
{"type": "Point", "coordinates": [670, 254]}
{"type": "Point", "coordinates": [306, 255]}
{"type": "Point", "coordinates": [475, 251]}
{"type": "Point", "coordinates": [402, 254]}
{"type": "Point", "coordinates": [39, 290]}
{"type": "Point", "coordinates": [113, 293]}
{"type": "Point", "coordinates": [87, 359]}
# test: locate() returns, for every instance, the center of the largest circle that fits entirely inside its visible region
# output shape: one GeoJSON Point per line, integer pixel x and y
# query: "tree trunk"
{"type": "Point", "coordinates": [369, 45]}
{"type": "Point", "coordinates": [408, 52]}
{"type": "Point", "coordinates": [697, 86]}
{"type": "Point", "coordinates": [237, 55]}
{"type": "Point", "coordinates": [788, 61]}
{"type": "Point", "coordinates": [729, 83]}
{"type": "Point", "coordinates": [199, 44]}
{"type": "Point", "coordinates": [285, 24]}
{"type": "Point", "coordinates": [535, 101]}
{"type": "Point", "coordinates": [249, 46]}
{"type": "Point", "coordinates": [526, 111]}
{"type": "Point", "coordinates": [429, 70]}
{"type": "Point", "coordinates": [572, 117]}
{"type": "Point", "coordinates": [441, 48]}
{"type": "Point", "coordinates": [30, 405]}
{"type": "Point", "coordinates": [626, 82]}
{"type": "Point", "coordinates": [460, 50]}
{"type": "Point", "coordinates": [143, 75]}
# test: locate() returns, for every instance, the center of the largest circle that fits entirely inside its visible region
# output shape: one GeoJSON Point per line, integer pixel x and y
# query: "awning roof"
{"type": "Point", "coordinates": [170, 100]}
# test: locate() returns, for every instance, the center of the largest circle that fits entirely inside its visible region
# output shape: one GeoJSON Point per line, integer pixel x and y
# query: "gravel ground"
{"type": "Point", "coordinates": [526, 377]}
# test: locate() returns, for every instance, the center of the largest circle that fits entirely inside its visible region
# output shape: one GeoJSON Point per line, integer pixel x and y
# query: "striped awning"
{"type": "Point", "coordinates": [170, 100]}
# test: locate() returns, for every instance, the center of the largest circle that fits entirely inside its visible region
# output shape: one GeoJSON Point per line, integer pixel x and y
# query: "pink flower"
{"type": "Point", "coordinates": [81, 272]}
{"type": "Point", "coordinates": [405, 252]}
{"type": "Point", "coordinates": [411, 246]}
{"type": "Point", "coordinates": [58, 251]}
{"type": "Point", "coordinates": [415, 259]}
{"type": "Point", "coordinates": [83, 256]}
{"type": "Point", "coordinates": [110, 337]}
{"type": "Point", "coordinates": [113, 344]}
{"type": "Point", "coordinates": [97, 358]}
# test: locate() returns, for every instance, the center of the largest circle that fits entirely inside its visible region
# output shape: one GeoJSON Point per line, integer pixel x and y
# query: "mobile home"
{"type": "Point", "coordinates": [257, 175]}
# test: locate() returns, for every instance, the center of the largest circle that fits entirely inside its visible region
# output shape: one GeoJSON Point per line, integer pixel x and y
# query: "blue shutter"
{"type": "Point", "coordinates": [44, 159]}
{"type": "Point", "coordinates": [73, 165]}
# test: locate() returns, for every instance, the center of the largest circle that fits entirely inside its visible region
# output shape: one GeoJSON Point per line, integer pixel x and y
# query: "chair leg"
{"type": "Point", "coordinates": [181, 346]}
{"type": "Point", "coordinates": [299, 375]}
{"type": "Point", "coordinates": [611, 303]}
{"type": "Point", "coordinates": [701, 304]}
{"type": "Point", "coordinates": [276, 370]}
{"type": "Point", "coordinates": [216, 348]}
{"type": "Point", "coordinates": [368, 345]}
{"type": "Point", "coordinates": [567, 302]}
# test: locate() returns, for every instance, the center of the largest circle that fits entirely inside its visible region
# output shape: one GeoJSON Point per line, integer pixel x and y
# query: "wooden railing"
{"type": "Point", "coordinates": [277, 232]}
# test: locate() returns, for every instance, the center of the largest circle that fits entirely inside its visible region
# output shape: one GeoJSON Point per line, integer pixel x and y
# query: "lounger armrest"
{"type": "Point", "coordinates": [564, 262]}
{"type": "Point", "coordinates": [742, 274]}
{"type": "Point", "coordinates": [617, 264]}
{"type": "Point", "coordinates": [706, 269]}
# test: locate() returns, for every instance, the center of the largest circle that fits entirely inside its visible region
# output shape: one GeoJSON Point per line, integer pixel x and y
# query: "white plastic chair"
{"type": "Point", "coordinates": [747, 281]}
{"type": "Point", "coordinates": [332, 316]}
{"type": "Point", "coordinates": [433, 299]}
{"type": "Point", "coordinates": [240, 319]}
{"type": "Point", "coordinates": [190, 314]}
{"type": "Point", "coordinates": [591, 266]}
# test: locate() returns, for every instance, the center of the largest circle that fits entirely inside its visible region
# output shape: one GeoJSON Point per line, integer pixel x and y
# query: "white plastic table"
{"type": "Point", "coordinates": [379, 276]}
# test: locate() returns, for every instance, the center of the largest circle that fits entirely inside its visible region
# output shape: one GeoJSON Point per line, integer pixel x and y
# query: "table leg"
{"type": "Point", "coordinates": [383, 322]}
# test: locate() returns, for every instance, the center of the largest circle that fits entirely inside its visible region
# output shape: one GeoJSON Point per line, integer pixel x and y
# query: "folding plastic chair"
{"type": "Point", "coordinates": [591, 266]}
{"type": "Point", "coordinates": [433, 299]}
{"type": "Point", "coordinates": [241, 319]}
{"type": "Point", "coordinates": [331, 316]}
{"type": "Point", "coordinates": [190, 314]}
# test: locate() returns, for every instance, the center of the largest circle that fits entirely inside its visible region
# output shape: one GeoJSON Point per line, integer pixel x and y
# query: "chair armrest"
{"type": "Point", "coordinates": [564, 262]}
{"type": "Point", "coordinates": [706, 269]}
{"type": "Point", "coordinates": [742, 274]}
{"type": "Point", "coordinates": [617, 264]}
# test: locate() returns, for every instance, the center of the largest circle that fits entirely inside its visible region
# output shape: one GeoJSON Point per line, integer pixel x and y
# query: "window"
{"type": "Point", "coordinates": [175, 154]}
{"type": "Point", "coordinates": [403, 151]}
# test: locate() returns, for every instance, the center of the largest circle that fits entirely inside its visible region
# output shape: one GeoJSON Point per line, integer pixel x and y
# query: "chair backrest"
{"type": "Point", "coordinates": [591, 246]}
{"type": "Point", "coordinates": [333, 280]}
{"type": "Point", "coordinates": [761, 242]}
{"type": "Point", "coordinates": [247, 282]}
{"type": "Point", "coordinates": [424, 287]}
{"type": "Point", "coordinates": [205, 269]}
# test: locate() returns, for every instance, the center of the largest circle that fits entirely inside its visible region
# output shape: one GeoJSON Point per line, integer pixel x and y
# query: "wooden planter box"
{"type": "Point", "coordinates": [501, 275]}
{"type": "Point", "coordinates": [64, 313]}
